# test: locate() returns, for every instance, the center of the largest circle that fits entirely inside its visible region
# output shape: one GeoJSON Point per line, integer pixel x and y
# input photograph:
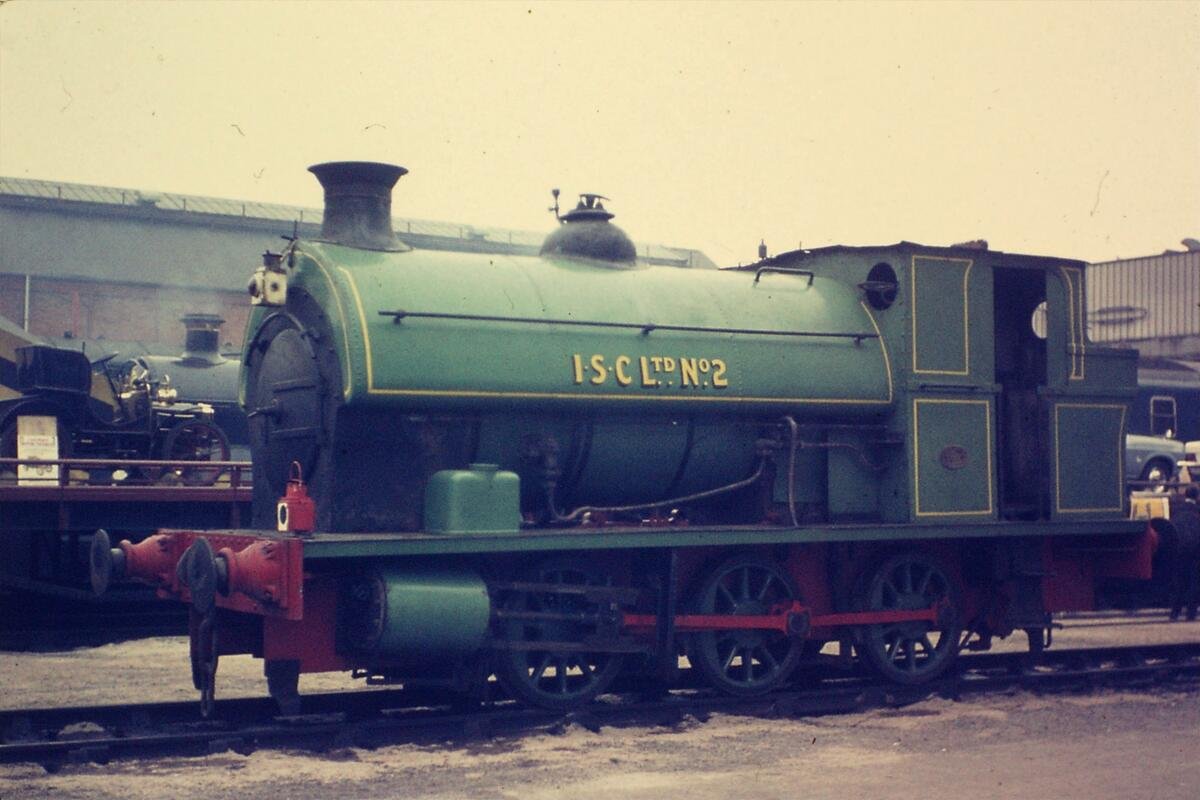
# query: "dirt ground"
{"type": "Point", "coordinates": [1110, 744]}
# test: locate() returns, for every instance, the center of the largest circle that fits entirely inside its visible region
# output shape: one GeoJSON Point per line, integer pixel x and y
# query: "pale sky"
{"type": "Point", "coordinates": [1068, 129]}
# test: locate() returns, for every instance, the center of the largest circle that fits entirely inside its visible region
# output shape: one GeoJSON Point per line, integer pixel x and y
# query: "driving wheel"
{"type": "Point", "coordinates": [910, 652]}
{"type": "Point", "coordinates": [745, 662]}
{"type": "Point", "coordinates": [555, 677]}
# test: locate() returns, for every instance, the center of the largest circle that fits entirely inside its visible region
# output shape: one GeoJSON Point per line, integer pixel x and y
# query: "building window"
{"type": "Point", "coordinates": [1162, 416]}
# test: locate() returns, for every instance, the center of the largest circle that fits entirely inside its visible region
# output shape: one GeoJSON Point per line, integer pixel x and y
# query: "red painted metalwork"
{"type": "Point", "coordinates": [77, 482]}
{"type": "Point", "coordinates": [689, 623]}
{"type": "Point", "coordinates": [1073, 567]}
{"type": "Point", "coordinates": [808, 567]}
{"type": "Point", "coordinates": [282, 571]}
{"type": "Point", "coordinates": [270, 581]}
{"type": "Point", "coordinates": [1136, 561]}
{"type": "Point", "coordinates": [878, 617]}
{"type": "Point", "coordinates": [311, 641]}
{"type": "Point", "coordinates": [1070, 580]}
{"type": "Point", "coordinates": [151, 560]}
{"type": "Point", "coordinates": [296, 513]}
{"type": "Point", "coordinates": [258, 571]}
{"type": "Point", "coordinates": [780, 619]}
{"type": "Point", "coordinates": [265, 575]}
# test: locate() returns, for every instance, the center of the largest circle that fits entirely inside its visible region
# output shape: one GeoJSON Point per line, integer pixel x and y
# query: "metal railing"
{"type": "Point", "coordinates": [116, 480]}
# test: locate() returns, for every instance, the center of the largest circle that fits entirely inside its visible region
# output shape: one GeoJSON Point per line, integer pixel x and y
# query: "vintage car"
{"type": "Point", "coordinates": [138, 415]}
{"type": "Point", "coordinates": [1151, 459]}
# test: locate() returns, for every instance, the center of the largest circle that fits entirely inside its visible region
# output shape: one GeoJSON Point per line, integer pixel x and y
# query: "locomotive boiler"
{"type": "Point", "coordinates": [597, 380]}
{"type": "Point", "coordinates": [555, 468]}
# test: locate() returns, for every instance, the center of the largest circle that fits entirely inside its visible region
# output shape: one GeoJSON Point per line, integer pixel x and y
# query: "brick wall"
{"type": "Point", "coordinates": [119, 311]}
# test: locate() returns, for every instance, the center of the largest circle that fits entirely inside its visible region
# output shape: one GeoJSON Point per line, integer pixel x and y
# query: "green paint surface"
{"type": "Point", "coordinates": [1088, 442]}
{"type": "Point", "coordinates": [331, 547]}
{"type": "Point", "coordinates": [482, 499]}
{"type": "Point", "coordinates": [952, 456]}
{"type": "Point", "coordinates": [940, 309]}
{"type": "Point", "coordinates": [432, 613]}
{"type": "Point", "coordinates": [446, 362]}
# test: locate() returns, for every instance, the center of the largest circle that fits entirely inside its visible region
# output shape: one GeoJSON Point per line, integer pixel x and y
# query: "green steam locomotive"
{"type": "Point", "coordinates": [561, 468]}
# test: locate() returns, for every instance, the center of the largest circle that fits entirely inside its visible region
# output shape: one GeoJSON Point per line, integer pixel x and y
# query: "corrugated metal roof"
{"type": "Point", "coordinates": [196, 204]}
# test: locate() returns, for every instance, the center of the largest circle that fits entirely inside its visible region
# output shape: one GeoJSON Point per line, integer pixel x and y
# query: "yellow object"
{"type": "Point", "coordinates": [1149, 505]}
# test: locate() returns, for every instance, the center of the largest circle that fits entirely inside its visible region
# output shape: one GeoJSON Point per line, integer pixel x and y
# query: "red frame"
{"type": "Point", "coordinates": [270, 587]}
{"type": "Point", "coordinates": [778, 619]}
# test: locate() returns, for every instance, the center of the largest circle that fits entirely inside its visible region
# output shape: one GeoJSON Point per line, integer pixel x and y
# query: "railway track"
{"type": "Point", "coordinates": [53, 737]}
{"type": "Point", "coordinates": [59, 624]}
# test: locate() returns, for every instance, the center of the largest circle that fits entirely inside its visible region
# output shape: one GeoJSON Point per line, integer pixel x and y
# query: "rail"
{"type": "Point", "coordinates": [387, 717]}
{"type": "Point", "coordinates": [802, 273]}
{"type": "Point", "coordinates": [645, 328]}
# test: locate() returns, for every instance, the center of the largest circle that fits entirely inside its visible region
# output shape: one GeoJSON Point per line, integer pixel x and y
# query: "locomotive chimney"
{"type": "Point", "coordinates": [358, 203]}
{"type": "Point", "coordinates": [202, 338]}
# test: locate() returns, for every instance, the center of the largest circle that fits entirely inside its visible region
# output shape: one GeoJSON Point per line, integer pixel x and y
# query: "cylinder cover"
{"type": "Point", "coordinates": [414, 615]}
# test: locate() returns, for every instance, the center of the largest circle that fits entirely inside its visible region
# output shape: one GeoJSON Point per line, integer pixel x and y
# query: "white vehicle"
{"type": "Point", "coordinates": [1152, 458]}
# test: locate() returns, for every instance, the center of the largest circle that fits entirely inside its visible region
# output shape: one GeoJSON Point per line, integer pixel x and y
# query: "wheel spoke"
{"type": "Point", "coordinates": [769, 658]}
{"type": "Point", "coordinates": [560, 668]}
{"type": "Point", "coordinates": [745, 585]}
{"type": "Point", "coordinates": [893, 654]}
{"type": "Point", "coordinates": [727, 595]}
{"type": "Point", "coordinates": [925, 582]}
{"type": "Point", "coordinates": [729, 659]}
{"type": "Point", "coordinates": [727, 637]}
{"type": "Point", "coordinates": [762, 593]}
{"type": "Point", "coordinates": [910, 656]}
{"type": "Point", "coordinates": [748, 664]}
{"type": "Point", "coordinates": [928, 644]}
{"type": "Point", "coordinates": [888, 586]}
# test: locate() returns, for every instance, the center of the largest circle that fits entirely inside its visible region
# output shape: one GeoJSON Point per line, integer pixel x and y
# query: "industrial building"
{"type": "Point", "coordinates": [84, 263]}
{"type": "Point", "coordinates": [1151, 303]}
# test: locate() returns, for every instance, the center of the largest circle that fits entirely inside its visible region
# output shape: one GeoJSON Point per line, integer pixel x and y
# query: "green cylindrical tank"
{"type": "Point", "coordinates": [416, 616]}
{"type": "Point", "coordinates": [431, 329]}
